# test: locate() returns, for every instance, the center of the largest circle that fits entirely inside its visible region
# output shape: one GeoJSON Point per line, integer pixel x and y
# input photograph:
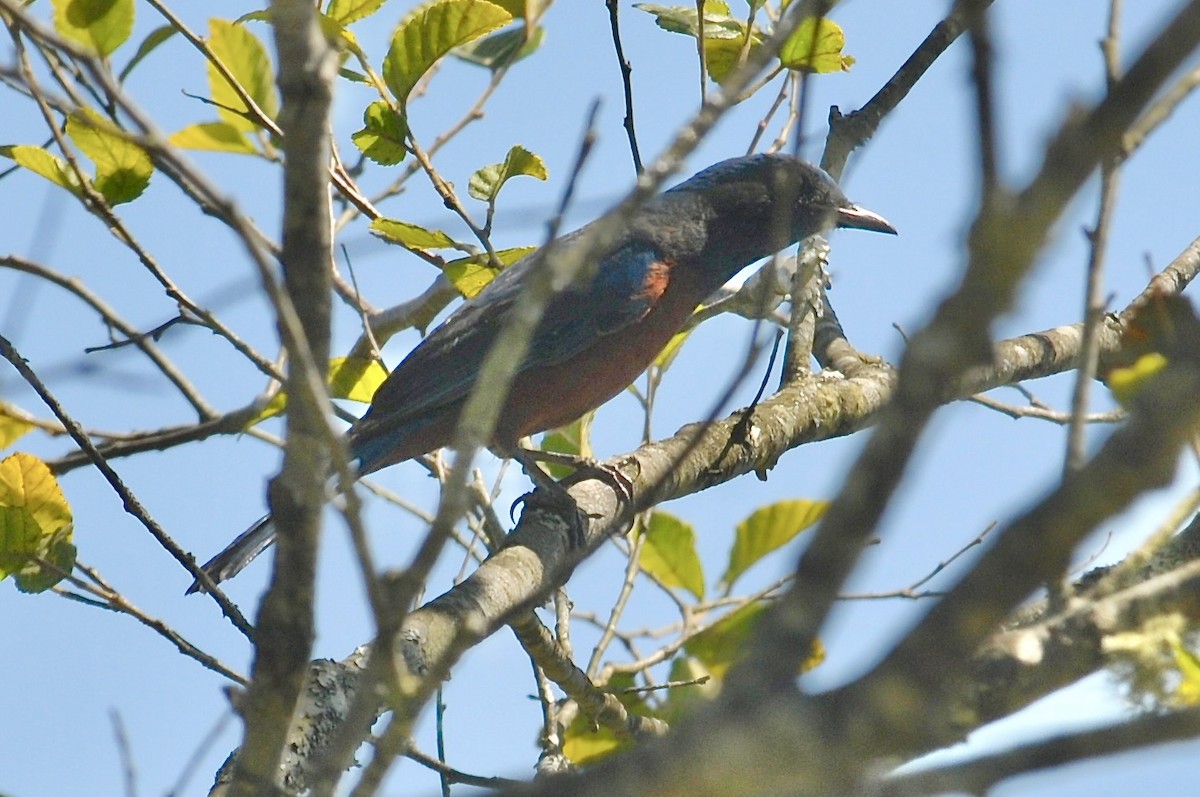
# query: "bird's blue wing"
{"type": "Point", "coordinates": [443, 367]}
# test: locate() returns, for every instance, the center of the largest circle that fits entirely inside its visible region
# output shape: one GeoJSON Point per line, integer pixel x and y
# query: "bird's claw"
{"type": "Point", "coordinates": [556, 499]}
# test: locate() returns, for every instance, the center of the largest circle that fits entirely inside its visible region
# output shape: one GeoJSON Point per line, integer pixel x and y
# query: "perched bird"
{"type": "Point", "coordinates": [597, 336]}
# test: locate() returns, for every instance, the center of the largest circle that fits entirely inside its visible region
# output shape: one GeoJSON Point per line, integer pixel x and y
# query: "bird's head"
{"type": "Point", "coordinates": [759, 204]}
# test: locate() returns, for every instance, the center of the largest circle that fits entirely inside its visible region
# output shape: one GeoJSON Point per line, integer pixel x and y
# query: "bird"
{"type": "Point", "coordinates": [595, 337]}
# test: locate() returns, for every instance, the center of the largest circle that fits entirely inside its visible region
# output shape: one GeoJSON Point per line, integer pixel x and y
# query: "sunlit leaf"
{"type": "Point", "coordinates": [502, 48]}
{"type": "Point", "coordinates": [667, 356]}
{"type": "Point", "coordinates": [722, 57]}
{"type": "Point", "coordinates": [485, 184]}
{"type": "Point", "coordinates": [585, 743]}
{"type": "Point", "coordinates": [214, 136]}
{"type": "Point", "coordinates": [123, 169]}
{"type": "Point", "coordinates": [47, 164]}
{"type": "Point", "coordinates": [1188, 691]}
{"type": "Point", "coordinates": [718, 22]}
{"type": "Point", "coordinates": [669, 554]}
{"type": "Point", "coordinates": [344, 12]}
{"type": "Point", "coordinates": [411, 235]}
{"type": "Point", "coordinates": [382, 136]}
{"type": "Point", "coordinates": [816, 46]}
{"type": "Point", "coordinates": [574, 440]}
{"type": "Point", "coordinates": [149, 44]}
{"type": "Point", "coordinates": [277, 405]}
{"type": "Point", "coordinates": [683, 699]}
{"type": "Point", "coordinates": [14, 425]}
{"type": "Point", "coordinates": [517, 8]}
{"type": "Point", "coordinates": [472, 274]}
{"type": "Point", "coordinates": [355, 378]}
{"type": "Point", "coordinates": [767, 529]}
{"type": "Point", "coordinates": [1160, 327]}
{"type": "Point", "coordinates": [99, 25]}
{"type": "Point", "coordinates": [431, 31]}
{"type": "Point", "coordinates": [722, 643]}
{"type": "Point", "coordinates": [719, 645]}
{"type": "Point", "coordinates": [246, 59]}
{"type": "Point", "coordinates": [1125, 383]}
{"type": "Point", "coordinates": [35, 523]}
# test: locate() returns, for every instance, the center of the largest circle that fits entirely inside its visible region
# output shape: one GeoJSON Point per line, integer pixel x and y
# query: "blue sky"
{"type": "Point", "coordinates": [70, 666]}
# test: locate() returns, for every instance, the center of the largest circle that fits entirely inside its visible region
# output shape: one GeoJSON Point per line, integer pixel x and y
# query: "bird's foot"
{"type": "Point", "coordinates": [550, 495]}
{"type": "Point", "coordinates": [584, 468]}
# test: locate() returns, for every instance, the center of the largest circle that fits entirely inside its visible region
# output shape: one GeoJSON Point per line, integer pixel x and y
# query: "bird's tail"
{"type": "Point", "coordinates": [239, 553]}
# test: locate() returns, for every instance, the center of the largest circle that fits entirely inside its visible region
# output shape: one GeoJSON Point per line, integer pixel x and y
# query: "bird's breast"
{"type": "Point", "coordinates": [546, 397]}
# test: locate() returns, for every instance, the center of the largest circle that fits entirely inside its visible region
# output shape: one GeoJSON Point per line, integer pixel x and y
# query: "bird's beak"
{"type": "Point", "coordinates": [863, 219]}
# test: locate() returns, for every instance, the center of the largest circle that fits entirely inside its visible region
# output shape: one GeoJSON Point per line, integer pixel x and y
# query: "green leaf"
{"type": "Point", "coordinates": [719, 645]}
{"type": "Point", "coordinates": [382, 136]}
{"type": "Point", "coordinates": [99, 25]}
{"type": "Point", "coordinates": [683, 699]}
{"type": "Point", "coordinates": [767, 529]}
{"type": "Point", "coordinates": [431, 31]}
{"type": "Point", "coordinates": [123, 169]}
{"type": "Point", "coordinates": [516, 7]}
{"type": "Point", "coordinates": [35, 523]}
{"type": "Point", "coordinates": [148, 45]}
{"type": "Point", "coordinates": [669, 554]}
{"type": "Point", "coordinates": [501, 49]}
{"type": "Point", "coordinates": [246, 59]}
{"type": "Point", "coordinates": [574, 439]}
{"type": "Point", "coordinates": [215, 136]}
{"type": "Point", "coordinates": [411, 236]}
{"type": "Point", "coordinates": [472, 274]}
{"type": "Point", "coordinates": [344, 12]}
{"type": "Point", "coordinates": [354, 76]}
{"type": "Point", "coordinates": [718, 22]}
{"type": "Point", "coordinates": [486, 183]}
{"type": "Point", "coordinates": [584, 742]}
{"type": "Point", "coordinates": [14, 424]}
{"type": "Point", "coordinates": [816, 46]}
{"type": "Point", "coordinates": [722, 643]}
{"type": "Point", "coordinates": [47, 164]}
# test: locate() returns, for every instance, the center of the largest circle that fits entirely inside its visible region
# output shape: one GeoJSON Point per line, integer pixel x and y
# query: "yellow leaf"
{"type": "Point", "coordinates": [766, 530]}
{"type": "Point", "coordinates": [411, 236]}
{"type": "Point", "coordinates": [13, 425]}
{"type": "Point", "coordinates": [1188, 691]}
{"type": "Point", "coordinates": [1125, 383]}
{"type": "Point", "coordinates": [214, 136]}
{"type": "Point", "coordinates": [355, 378]}
{"type": "Point", "coordinates": [671, 350]}
{"type": "Point", "coordinates": [35, 523]}
{"type": "Point", "coordinates": [46, 164]}
{"type": "Point", "coordinates": [472, 274]}
{"type": "Point", "coordinates": [816, 46]}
